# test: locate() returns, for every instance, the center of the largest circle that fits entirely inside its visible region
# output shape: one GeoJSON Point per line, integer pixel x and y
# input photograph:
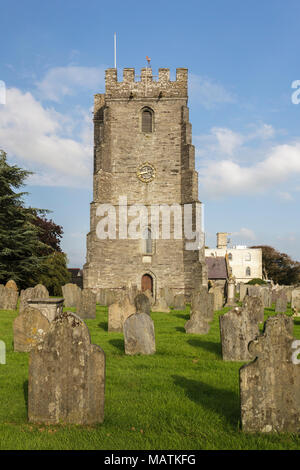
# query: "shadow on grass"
{"type": "Point", "coordinates": [223, 402]}
{"type": "Point", "coordinates": [180, 328]}
{"type": "Point", "coordinates": [185, 316]}
{"type": "Point", "coordinates": [118, 344]}
{"type": "Point", "coordinates": [25, 389]}
{"type": "Point", "coordinates": [103, 325]}
{"type": "Point", "coordinates": [210, 346]}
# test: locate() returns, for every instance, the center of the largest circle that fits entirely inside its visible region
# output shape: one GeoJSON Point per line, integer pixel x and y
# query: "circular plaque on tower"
{"type": "Point", "coordinates": [146, 172]}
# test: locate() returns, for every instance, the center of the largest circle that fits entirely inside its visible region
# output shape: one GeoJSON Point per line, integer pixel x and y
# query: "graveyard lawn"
{"type": "Point", "coordinates": [183, 397]}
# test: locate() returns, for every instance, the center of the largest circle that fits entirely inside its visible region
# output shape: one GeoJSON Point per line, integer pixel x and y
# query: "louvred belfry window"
{"type": "Point", "coordinates": [147, 117]}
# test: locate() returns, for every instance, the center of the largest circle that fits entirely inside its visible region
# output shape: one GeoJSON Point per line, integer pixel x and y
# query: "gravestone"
{"type": "Point", "coordinates": [243, 291]}
{"type": "Point", "coordinates": [8, 298]}
{"type": "Point", "coordinates": [118, 312]}
{"type": "Point", "coordinates": [50, 308]}
{"type": "Point", "coordinates": [37, 292]}
{"type": "Point", "coordinates": [237, 328]}
{"type": "Point", "coordinates": [160, 306]}
{"type": "Point", "coordinates": [296, 301]}
{"type": "Point", "coordinates": [230, 293]}
{"type": "Point", "coordinates": [167, 294]}
{"type": "Point", "coordinates": [86, 304]}
{"type": "Point", "coordinates": [218, 293]}
{"type": "Point", "coordinates": [149, 294]}
{"type": "Point", "coordinates": [266, 295]}
{"type": "Point", "coordinates": [142, 304]}
{"type": "Point", "coordinates": [11, 285]}
{"type": "Point", "coordinates": [139, 335]}
{"type": "Point", "coordinates": [179, 302]}
{"type": "Point", "coordinates": [30, 328]}
{"type": "Point", "coordinates": [270, 385]}
{"type": "Point", "coordinates": [281, 303]}
{"type": "Point", "coordinates": [202, 312]}
{"type": "Point", "coordinates": [66, 376]}
{"type": "Point", "coordinates": [255, 307]}
{"type": "Point", "coordinates": [71, 293]}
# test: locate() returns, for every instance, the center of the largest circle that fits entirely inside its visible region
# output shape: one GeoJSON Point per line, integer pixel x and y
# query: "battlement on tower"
{"type": "Point", "coordinates": [146, 84]}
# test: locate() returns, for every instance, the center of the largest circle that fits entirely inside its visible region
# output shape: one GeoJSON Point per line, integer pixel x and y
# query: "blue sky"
{"type": "Point", "coordinates": [242, 59]}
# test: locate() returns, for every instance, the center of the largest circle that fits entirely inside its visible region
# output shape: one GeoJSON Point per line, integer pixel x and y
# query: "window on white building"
{"type": "Point", "coordinates": [248, 257]}
{"type": "Point", "coordinates": [248, 271]}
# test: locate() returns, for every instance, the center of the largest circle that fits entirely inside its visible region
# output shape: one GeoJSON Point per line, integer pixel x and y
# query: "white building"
{"type": "Point", "coordinates": [245, 263]}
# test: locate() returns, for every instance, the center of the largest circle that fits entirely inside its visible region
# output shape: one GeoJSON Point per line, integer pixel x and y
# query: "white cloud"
{"type": "Point", "coordinates": [227, 177]}
{"type": "Point", "coordinates": [206, 92]}
{"type": "Point", "coordinates": [245, 234]}
{"type": "Point", "coordinates": [285, 196]}
{"type": "Point", "coordinates": [65, 81]}
{"type": "Point", "coordinates": [42, 139]}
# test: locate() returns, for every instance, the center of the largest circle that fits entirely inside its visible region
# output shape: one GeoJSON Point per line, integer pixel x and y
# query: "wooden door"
{"type": "Point", "coordinates": [147, 283]}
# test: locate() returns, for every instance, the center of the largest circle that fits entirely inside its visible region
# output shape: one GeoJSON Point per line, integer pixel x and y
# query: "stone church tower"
{"type": "Point", "coordinates": [143, 152]}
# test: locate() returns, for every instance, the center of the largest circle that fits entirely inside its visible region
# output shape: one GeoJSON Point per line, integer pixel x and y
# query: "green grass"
{"type": "Point", "coordinates": [183, 397]}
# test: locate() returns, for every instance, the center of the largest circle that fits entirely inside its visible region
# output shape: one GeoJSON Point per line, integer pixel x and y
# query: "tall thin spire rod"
{"type": "Point", "coordinates": [115, 49]}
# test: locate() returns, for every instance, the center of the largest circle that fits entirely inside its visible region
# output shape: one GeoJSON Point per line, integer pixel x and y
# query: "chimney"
{"type": "Point", "coordinates": [222, 240]}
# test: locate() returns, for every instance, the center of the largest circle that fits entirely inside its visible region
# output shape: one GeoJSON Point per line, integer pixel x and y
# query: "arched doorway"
{"type": "Point", "coordinates": [147, 283]}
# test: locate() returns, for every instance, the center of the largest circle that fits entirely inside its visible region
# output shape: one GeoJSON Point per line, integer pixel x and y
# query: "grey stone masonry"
{"type": "Point", "coordinates": [66, 376]}
{"type": "Point", "coordinates": [37, 292]}
{"type": "Point", "coordinates": [202, 312]}
{"type": "Point", "coordinates": [118, 313]}
{"type": "Point", "coordinates": [71, 293]}
{"type": "Point", "coordinates": [86, 304]}
{"type": "Point", "coordinates": [30, 329]}
{"type": "Point", "coordinates": [255, 307]}
{"type": "Point", "coordinates": [139, 335]}
{"type": "Point", "coordinates": [51, 308]}
{"type": "Point", "coordinates": [270, 385]}
{"type": "Point", "coordinates": [124, 151]}
{"type": "Point", "coordinates": [237, 328]}
{"type": "Point", "coordinates": [8, 298]}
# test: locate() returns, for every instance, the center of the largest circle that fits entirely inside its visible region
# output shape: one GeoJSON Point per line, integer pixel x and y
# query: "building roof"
{"type": "Point", "coordinates": [217, 267]}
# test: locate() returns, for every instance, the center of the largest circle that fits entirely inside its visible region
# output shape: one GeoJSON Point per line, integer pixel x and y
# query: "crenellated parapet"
{"type": "Point", "coordinates": [146, 85]}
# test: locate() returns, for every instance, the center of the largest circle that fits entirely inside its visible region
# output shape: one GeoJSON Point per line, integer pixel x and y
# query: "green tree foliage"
{"type": "Point", "coordinates": [30, 251]}
{"type": "Point", "coordinates": [19, 240]}
{"type": "Point", "coordinates": [255, 281]}
{"type": "Point", "coordinates": [55, 272]}
{"type": "Point", "coordinates": [279, 266]}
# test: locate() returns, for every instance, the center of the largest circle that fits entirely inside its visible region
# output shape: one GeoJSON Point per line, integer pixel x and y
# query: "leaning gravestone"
{"type": "Point", "coordinates": [281, 303]}
{"type": "Point", "coordinates": [118, 312]}
{"type": "Point", "coordinates": [86, 304]}
{"type": "Point", "coordinates": [66, 376]}
{"type": "Point", "coordinates": [71, 293]}
{"type": "Point", "coordinates": [8, 298]}
{"type": "Point", "coordinates": [237, 328]}
{"type": "Point", "coordinates": [30, 329]}
{"type": "Point", "coordinates": [142, 304]}
{"type": "Point", "coordinates": [296, 301]}
{"type": "Point", "coordinates": [37, 292]}
{"type": "Point", "coordinates": [139, 335]}
{"type": "Point", "coordinates": [255, 307]}
{"type": "Point", "coordinates": [179, 302]}
{"type": "Point", "coordinates": [202, 312]}
{"type": "Point", "coordinates": [270, 385]}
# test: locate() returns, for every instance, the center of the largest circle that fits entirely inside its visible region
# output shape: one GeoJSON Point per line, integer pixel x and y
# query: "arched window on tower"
{"type": "Point", "coordinates": [147, 120]}
{"type": "Point", "coordinates": [248, 271]}
{"type": "Point", "coordinates": [148, 248]}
